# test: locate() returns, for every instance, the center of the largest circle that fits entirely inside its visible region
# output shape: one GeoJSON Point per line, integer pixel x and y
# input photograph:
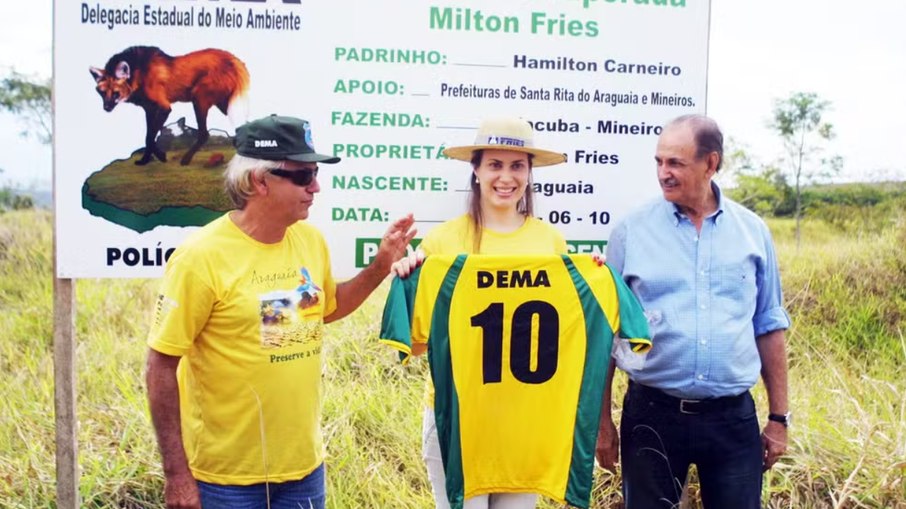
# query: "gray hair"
{"type": "Point", "coordinates": [708, 137]}
{"type": "Point", "coordinates": [239, 174]}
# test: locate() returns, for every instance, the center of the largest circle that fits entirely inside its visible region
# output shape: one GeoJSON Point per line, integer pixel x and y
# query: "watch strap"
{"type": "Point", "coordinates": [781, 418]}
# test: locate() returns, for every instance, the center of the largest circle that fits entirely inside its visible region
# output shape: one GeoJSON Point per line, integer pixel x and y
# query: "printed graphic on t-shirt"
{"type": "Point", "coordinates": [162, 307]}
{"type": "Point", "coordinates": [291, 316]}
{"type": "Point", "coordinates": [307, 289]}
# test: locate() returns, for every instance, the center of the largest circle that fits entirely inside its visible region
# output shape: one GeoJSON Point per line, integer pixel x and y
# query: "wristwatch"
{"type": "Point", "coordinates": [781, 418]}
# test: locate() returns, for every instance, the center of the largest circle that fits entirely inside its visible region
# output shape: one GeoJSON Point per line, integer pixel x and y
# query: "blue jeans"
{"type": "Point", "coordinates": [306, 493]}
{"type": "Point", "coordinates": [662, 436]}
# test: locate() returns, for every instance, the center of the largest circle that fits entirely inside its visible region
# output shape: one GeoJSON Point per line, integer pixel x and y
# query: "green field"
{"type": "Point", "coordinates": [845, 289]}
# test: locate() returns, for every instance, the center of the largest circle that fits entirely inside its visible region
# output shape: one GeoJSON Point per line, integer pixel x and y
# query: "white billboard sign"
{"type": "Point", "coordinates": [385, 85]}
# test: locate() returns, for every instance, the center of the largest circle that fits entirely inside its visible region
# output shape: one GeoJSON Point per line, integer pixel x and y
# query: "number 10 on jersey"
{"type": "Point", "coordinates": [490, 321]}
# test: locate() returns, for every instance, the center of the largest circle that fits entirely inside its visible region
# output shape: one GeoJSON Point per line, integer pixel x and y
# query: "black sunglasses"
{"type": "Point", "coordinates": [300, 178]}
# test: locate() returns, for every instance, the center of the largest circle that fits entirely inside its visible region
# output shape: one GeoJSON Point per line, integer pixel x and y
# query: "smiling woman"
{"type": "Point", "coordinates": [499, 220]}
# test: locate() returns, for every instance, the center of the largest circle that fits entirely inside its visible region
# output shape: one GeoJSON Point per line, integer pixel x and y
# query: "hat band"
{"type": "Point", "coordinates": [502, 140]}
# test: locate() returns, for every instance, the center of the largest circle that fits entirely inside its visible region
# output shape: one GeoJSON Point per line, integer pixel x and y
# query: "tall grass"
{"type": "Point", "coordinates": [117, 453]}
{"type": "Point", "coordinates": [846, 294]}
{"type": "Point", "coordinates": [847, 297]}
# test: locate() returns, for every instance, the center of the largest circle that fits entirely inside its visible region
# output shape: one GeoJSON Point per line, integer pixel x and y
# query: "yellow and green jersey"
{"type": "Point", "coordinates": [518, 348]}
{"type": "Point", "coordinates": [457, 236]}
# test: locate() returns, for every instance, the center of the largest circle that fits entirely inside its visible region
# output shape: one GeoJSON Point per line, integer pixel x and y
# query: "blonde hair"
{"type": "Point", "coordinates": [239, 174]}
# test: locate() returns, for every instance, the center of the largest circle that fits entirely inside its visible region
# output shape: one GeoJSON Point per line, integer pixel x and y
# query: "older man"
{"type": "Point", "coordinates": [705, 271]}
{"type": "Point", "coordinates": [234, 365]}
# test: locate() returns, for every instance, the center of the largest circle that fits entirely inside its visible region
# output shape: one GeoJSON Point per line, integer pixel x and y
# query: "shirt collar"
{"type": "Point", "coordinates": [676, 216]}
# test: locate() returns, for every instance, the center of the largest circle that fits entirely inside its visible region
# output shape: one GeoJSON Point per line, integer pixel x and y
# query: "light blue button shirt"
{"type": "Point", "coordinates": [707, 295]}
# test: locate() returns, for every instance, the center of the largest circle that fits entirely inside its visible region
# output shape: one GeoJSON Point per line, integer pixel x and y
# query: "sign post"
{"type": "Point", "coordinates": [64, 376]}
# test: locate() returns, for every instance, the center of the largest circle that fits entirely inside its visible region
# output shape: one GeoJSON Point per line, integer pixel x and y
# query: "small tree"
{"type": "Point", "coordinates": [798, 121]}
{"type": "Point", "coordinates": [761, 192]}
{"type": "Point", "coordinates": [751, 183]}
{"type": "Point", "coordinates": [737, 158]}
{"type": "Point", "coordinates": [29, 99]}
{"type": "Point", "coordinates": [11, 200]}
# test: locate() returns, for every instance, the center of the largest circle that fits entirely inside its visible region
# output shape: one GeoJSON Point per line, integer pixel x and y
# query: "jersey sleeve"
{"type": "Point", "coordinates": [183, 306]}
{"type": "Point", "coordinates": [396, 329]}
{"type": "Point", "coordinates": [632, 324]}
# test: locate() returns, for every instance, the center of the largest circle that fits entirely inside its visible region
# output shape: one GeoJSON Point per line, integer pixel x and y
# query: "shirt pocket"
{"type": "Point", "coordinates": [736, 274]}
{"type": "Point", "coordinates": [736, 283]}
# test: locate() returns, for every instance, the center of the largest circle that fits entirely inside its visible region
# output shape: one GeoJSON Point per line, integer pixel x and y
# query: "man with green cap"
{"type": "Point", "coordinates": [234, 364]}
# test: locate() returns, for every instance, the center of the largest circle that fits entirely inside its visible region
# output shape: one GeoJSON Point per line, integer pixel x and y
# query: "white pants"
{"type": "Point", "coordinates": [431, 455]}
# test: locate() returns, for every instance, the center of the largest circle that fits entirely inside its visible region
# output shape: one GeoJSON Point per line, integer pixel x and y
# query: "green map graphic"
{"type": "Point", "coordinates": [142, 198]}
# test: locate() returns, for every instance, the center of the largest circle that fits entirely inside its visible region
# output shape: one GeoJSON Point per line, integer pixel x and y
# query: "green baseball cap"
{"type": "Point", "coordinates": [278, 138]}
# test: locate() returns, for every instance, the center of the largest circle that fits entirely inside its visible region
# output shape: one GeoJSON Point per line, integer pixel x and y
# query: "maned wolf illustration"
{"type": "Point", "coordinates": [152, 79]}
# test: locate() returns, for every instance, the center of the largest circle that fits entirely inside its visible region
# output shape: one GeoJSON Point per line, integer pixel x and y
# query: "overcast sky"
{"type": "Point", "coordinates": [852, 54]}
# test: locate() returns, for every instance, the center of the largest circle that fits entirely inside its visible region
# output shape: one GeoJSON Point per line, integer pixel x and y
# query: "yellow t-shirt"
{"type": "Point", "coordinates": [455, 237]}
{"type": "Point", "coordinates": [519, 347]}
{"type": "Point", "coordinates": [247, 319]}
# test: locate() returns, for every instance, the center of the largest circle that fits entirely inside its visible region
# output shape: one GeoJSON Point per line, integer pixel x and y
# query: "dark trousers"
{"type": "Point", "coordinates": [661, 436]}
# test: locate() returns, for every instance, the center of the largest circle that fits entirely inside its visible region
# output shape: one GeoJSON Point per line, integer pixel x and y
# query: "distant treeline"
{"type": "Point", "coordinates": [18, 199]}
{"type": "Point", "coordinates": [859, 205]}
{"type": "Point", "coordinates": [856, 205]}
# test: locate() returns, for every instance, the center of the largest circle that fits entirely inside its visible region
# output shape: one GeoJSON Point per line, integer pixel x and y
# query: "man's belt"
{"type": "Point", "coordinates": [687, 406]}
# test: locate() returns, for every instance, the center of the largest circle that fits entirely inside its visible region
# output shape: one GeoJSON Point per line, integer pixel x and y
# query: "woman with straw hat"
{"type": "Point", "coordinates": [500, 220]}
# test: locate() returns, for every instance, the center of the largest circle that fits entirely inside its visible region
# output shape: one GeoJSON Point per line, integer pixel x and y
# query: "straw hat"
{"type": "Point", "coordinates": [506, 133]}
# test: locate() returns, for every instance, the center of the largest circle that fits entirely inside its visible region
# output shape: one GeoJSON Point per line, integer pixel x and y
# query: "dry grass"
{"type": "Point", "coordinates": [847, 296]}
